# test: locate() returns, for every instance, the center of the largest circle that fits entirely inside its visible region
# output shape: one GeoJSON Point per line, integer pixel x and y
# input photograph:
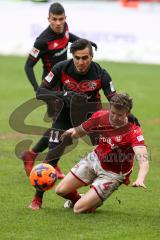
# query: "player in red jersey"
{"type": "Point", "coordinates": [111, 163]}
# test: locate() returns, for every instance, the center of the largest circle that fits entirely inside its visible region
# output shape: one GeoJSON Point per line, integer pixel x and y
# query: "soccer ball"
{"type": "Point", "coordinates": [43, 177]}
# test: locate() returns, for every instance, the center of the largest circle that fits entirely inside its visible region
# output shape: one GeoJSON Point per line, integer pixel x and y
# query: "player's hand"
{"type": "Point", "coordinates": [69, 133]}
{"type": "Point", "coordinates": [94, 45]}
{"type": "Point", "coordinates": [138, 183]}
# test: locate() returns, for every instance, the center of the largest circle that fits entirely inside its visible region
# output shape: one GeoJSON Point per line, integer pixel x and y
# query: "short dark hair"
{"type": "Point", "coordinates": [56, 8]}
{"type": "Point", "coordinates": [81, 44]}
{"type": "Point", "coordinates": [122, 101]}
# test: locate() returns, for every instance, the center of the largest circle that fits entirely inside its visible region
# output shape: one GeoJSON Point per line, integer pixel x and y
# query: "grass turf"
{"type": "Point", "coordinates": [128, 214]}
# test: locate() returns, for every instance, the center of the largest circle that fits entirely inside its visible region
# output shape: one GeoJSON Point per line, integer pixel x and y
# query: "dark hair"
{"type": "Point", "coordinates": [81, 44]}
{"type": "Point", "coordinates": [122, 101]}
{"type": "Point", "coordinates": [56, 8]}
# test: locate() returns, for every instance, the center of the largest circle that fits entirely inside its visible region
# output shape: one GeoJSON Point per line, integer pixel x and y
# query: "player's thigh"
{"type": "Point", "coordinates": [63, 122]}
{"type": "Point", "coordinates": [84, 171]}
{"type": "Point", "coordinates": [88, 201]}
{"type": "Point", "coordinates": [106, 186]}
{"type": "Point", "coordinates": [55, 146]}
{"type": "Point", "coordinates": [68, 184]}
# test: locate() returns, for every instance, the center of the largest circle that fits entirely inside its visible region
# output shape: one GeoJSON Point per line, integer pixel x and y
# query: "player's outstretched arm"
{"type": "Point", "coordinates": [76, 132]}
{"type": "Point", "coordinates": [30, 73]}
{"type": "Point", "coordinates": [142, 157]}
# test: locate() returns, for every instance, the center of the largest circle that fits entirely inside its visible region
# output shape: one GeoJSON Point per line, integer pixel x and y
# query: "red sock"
{"type": "Point", "coordinates": [73, 196]}
{"type": "Point", "coordinates": [34, 153]}
{"type": "Point", "coordinates": [39, 194]}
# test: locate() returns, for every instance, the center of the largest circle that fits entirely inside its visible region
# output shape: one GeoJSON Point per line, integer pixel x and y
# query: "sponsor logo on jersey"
{"type": "Point", "coordinates": [49, 77]}
{"type": "Point", "coordinates": [118, 138]}
{"type": "Point", "coordinates": [60, 52]}
{"type": "Point", "coordinates": [87, 85]}
{"type": "Point", "coordinates": [112, 145]}
{"type": "Point", "coordinates": [109, 141]}
{"type": "Point", "coordinates": [140, 138]}
{"type": "Point", "coordinates": [112, 86]}
{"type": "Point", "coordinates": [34, 52]}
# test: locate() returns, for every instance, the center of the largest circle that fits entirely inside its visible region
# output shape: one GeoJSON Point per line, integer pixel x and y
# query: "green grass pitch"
{"type": "Point", "coordinates": [128, 214]}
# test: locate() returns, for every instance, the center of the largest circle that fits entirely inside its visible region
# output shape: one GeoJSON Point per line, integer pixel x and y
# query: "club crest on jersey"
{"type": "Point", "coordinates": [140, 138]}
{"type": "Point", "coordinates": [118, 138]}
{"type": "Point", "coordinates": [49, 77]}
{"type": "Point", "coordinates": [34, 52]}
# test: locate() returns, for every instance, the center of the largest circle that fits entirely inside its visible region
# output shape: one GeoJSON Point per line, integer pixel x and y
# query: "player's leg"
{"type": "Point", "coordinates": [29, 156]}
{"type": "Point", "coordinates": [102, 186]}
{"type": "Point", "coordinates": [56, 149]}
{"type": "Point", "coordinates": [88, 202]}
{"type": "Point", "coordinates": [50, 137]}
{"type": "Point", "coordinates": [99, 192]}
{"type": "Point", "coordinates": [36, 203]}
{"type": "Point", "coordinates": [67, 188]}
{"type": "Point", "coordinates": [42, 144]}
{"type": "Point", "coordinates": [82, 174]}
{"type": "Point", "coordinates": [37, 200]}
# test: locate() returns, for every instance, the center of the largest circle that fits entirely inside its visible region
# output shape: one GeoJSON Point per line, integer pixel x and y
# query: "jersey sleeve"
{"type": "Point", "coordinates": [35, 53]}
{"type": "Point", "coordinates": [30, 73]}
{"type": "Point", "coordinates": [33, 57]}
{"type": "Point", "coordinates": [53, 79]}
{"type": "Point", "coordinates": [137, 138]}
{"type": "Point", "coordinates": [107, 84]}
{"type": "Point", "coordinates": [38, 49]}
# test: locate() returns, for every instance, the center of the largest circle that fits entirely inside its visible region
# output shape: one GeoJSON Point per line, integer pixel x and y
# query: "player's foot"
{"type": "Point", "coordinates": [69, 203]}
{"type": "Point", "coordinates": [35, 204]}
{"type": "Point", "coordinates": [28, 158]}
{"type": "Point", "coordinates": [60, 174]}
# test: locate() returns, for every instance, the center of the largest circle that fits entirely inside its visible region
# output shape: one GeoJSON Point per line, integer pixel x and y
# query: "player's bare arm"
{"type": "Point", "coordinates": [76, 132]}
{"type": "Point", "coordinates": [142, 157]}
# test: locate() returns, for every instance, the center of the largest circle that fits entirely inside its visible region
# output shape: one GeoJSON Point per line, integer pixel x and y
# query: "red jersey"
{"type": "Point", "coordinates": [115, 147]}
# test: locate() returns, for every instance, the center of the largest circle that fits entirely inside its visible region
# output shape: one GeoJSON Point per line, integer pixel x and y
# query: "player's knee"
{"type": "Point", "coordinates": [78, 208]}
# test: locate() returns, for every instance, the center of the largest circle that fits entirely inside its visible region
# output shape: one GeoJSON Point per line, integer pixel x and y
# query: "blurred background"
{"type": "Point", "coordinates": [125, 30]}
